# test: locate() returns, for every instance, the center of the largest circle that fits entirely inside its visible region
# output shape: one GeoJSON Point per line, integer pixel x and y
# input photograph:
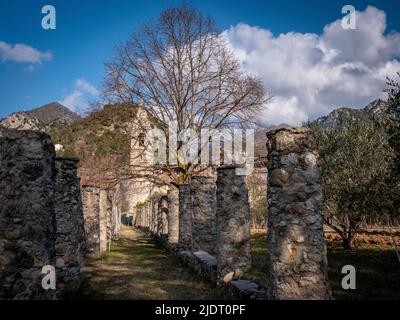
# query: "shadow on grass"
{"type": "Point", "coordinates": [377, 269]}
{"type": "Point", "coordinates": [139, 268]}
{"type": "Point", "coordinates": [377, 272]}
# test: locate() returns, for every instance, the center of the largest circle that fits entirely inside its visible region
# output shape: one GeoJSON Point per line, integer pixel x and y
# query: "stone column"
{"type": "Point", "coordinates": [233, 225]}
{"type": "Point", "coordinates": [27, 219]}
{"type": "Point", "coordinates": [159, 215]}
{"type": "Point", "coordinates": [298, 262]}
{"type": "Point", "coordinates": [163, 214]}
{"type": "Point", "coordinates": [70, 237]}
{"type": "Point", "coordinates": [138, 221]}
{"type": "Point", "coordinates": [154, 214]}
{"type": "Point", "coordinates": [144, 216]}
{"type": "Point", "coordinates": [185, 217]}
{"type": "Point", "coordinates": [105, 220]}
{"type": "Point", "coordinates": [149, 213]}
{"type": "Point", "coordinates": [91, 211]}
{"type": "Point", "coordinates": [173, 215]}
{"type": "Point", "coordinates": [204, 202]}
{"type": "Point", "coordinates": [116, 219]}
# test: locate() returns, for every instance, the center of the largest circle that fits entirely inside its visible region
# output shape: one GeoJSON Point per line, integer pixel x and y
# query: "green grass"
{"type": "Point", "coordinates": [377, 269]}
{"type": "Point", "coordinates": [259, 257]}
{"type": "Point", "coordinates": [377, 272]}
{"type": "Point", "coordinates": [139, 268]}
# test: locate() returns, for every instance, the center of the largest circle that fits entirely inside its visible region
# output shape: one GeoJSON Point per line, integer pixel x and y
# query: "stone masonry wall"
{"type": "Point", "coordinates": [148, 221]}
{"type": "Point", "coordinates": [173, 216]}
{"type": "Point", "coordinates": [185, 217]}
{"type": "Point", "coordinates": [27, 221]}
{"type": "Point", "coordinates": [204, 204]}
{"type": "Point", "coordinates": [163, 215]}
{"type": "Point", "coordinates": [154, 215]}
{"type": "Point", "coordinates": [91, 211]}
{"type": "Point", "coordinates": [233, 225]}
{"type": "Point", "coordinates": [70, 241]}
{"type": "Point", "coordinates": [105, 223]}
{"type": "Point", "coordinates": [298, 262]}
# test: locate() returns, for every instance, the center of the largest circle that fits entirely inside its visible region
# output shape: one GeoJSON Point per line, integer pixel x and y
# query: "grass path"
{"type": "Point", "coordinates": [139, 268]}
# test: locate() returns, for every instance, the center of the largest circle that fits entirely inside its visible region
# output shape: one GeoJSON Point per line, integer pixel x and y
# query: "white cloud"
{"type": "Point", "coordinates": [78, 99]}
{"type": "Point", "coordinates": [86, 87]}
{"type": "Point", "coordinates": [284, 110]}
{"type": "Point", "coordinates": [311, 74]}
{"type": "Point", "coordinates": [22, 53]}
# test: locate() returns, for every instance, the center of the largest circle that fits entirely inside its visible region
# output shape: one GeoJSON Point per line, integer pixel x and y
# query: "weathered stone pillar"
{"type": "Point", "coordinates": [233, 225]}
{"type": "Point", "coordinates": [185, 217]}
{"type": "Point", "coordinates": [105, 220]}
{"type": "Point", "coordinates": [154, 214]}
{"type": "Point", "coordinates": [204, 202]}
{"type": "Point", "coordinates": [163, 215]}
{"type": "Point", "coordinates": [27, 220]}
{"type": "Point", "coordinates": [143, 216]}
{"type": "Point", "coordinates": [70, 237]}
{"type": "Point", "coordinates": [173, 215]}
{"type": "Point", "coordinates": [159, 215]}
{"type": "Point", "coordinates": [91, 211]}
{"type": "Point", "coordinates": [149, 215]}
{"type": "Point", "coordinates": [115, 219]}
{"type": "Point", "coordinates": [298, 262]}
{"type": "Point", "coordinates": [146, 215]}
{"type": "Point", "coordinates": [138, 221]}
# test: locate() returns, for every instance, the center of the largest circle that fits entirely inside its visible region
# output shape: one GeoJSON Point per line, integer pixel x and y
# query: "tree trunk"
{"type": "Point", "coordinates": [348, 242]}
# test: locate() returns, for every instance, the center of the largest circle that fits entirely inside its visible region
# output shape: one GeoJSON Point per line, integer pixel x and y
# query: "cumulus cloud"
{"type": "Point", "coordinates": [85, 86]}
{"type": "Point", "coordinates": [22, 53]}
{"type": "Point", "coordinates": [311, 74]}
{"type": "Point", "coordinates": [78, 99]}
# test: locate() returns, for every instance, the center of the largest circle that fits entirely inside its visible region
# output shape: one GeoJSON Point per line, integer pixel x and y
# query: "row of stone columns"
{"type": "Point", "coordinates": [154, 215]}
{"type": "Point", "coordinates": [213, 215]}
{"type": "Point", "coordinates": [102, 218]}
{"type": "Point", "coordinates": [202, 219]}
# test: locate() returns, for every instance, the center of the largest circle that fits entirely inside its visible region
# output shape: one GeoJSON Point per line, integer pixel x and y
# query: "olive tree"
{"type": "Point", "coordinates": [356, 162]}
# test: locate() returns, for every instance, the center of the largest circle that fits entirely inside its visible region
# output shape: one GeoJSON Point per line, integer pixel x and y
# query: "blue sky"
{"type": "Point", "coordinates": [67, 63]}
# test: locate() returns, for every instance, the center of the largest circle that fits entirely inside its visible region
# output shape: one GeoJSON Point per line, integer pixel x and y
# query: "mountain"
{"type": "Point", "coordinates": [52, 115]}
{"type": "Point", "coordinates": [101, 141]}
{"type": "Point", "coordinates": [373, 110]}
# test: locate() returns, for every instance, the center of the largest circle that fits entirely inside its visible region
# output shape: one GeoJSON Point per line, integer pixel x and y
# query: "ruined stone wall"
{"type": "Point", "coordinates": [204, 204]}
{"type": "Point", "coordinates": [233, 225]}
{"type": "Point", "coordinates": [298, 263]}
{"type": "Point", "coordinates": [185, 217]}
{"type": "Point", "coordinates": [70, 237]}
{"type": "Point", "coordinates": [91, 211]}
{"type": "Point", "coordinates": [27, 221]}
{"type": "Point", "coordinates": [41, 220]}
{"type": "Point", "coordinates": [173, 216]}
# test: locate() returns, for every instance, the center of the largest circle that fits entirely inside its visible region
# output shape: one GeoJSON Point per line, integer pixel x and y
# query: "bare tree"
{"type": "Point", "coordinates": [182, 70]}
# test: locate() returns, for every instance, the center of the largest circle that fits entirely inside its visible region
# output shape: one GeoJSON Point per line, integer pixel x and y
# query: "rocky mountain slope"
{"type": "Point", "coordinates": [373, 110]}
{"type": "Point", "coordinates": [102, 142]}
{"type": "Point", "coordinates": [44, 118]}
